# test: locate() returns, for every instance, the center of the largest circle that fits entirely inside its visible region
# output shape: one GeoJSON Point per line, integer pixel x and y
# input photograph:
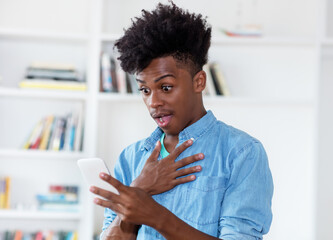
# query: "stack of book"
{"type": "Point", "coordinates": [57, 133]}
{"type": "Point", "coordinates": [5, 192]}
{"type": "Point", "coordinates": [113, 78]}
{"type": "Point", "coordinates": [59, 198]}
{"type": "Point", "coordinates": [19, 235]}
{"type": "Point", "coordinates": [53, 76]}
{"type": "Point", "coordinates": [216, 83]}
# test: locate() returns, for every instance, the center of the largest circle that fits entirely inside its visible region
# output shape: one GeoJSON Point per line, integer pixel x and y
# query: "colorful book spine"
{"type": "Point", "coordinates": [5, 183]}
{"type": "Point", "coordinates": [46, 133]}
{"type": "Point", "coordinates": [2, 193]}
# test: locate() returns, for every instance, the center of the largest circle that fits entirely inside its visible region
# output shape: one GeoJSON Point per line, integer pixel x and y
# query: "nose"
{"type": "Point", "coordinates": [154, 100]}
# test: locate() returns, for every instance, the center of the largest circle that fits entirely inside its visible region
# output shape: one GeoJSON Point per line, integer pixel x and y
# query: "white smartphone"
{"type": "Point", "coordinates": [91, 168]}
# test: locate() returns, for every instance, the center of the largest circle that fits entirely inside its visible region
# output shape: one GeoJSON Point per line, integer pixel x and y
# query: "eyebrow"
{"type": "Point", "coordinates": [157, 79]}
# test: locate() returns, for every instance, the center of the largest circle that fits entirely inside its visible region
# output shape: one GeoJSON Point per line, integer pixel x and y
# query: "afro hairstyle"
{"type": "Point", "coordinates": [166, 31]}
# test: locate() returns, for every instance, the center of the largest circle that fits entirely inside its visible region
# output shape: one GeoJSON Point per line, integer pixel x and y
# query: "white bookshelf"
{"type": "Point", "coordinates": [42, 94]}
{"type": "Point", "coordinates": [39, 215]}
{"type": "Point", "coordinates": [277, 85]}
{"type": "Point", "coordinates": [38, 154]}
{"type": "Point", "coordinates": [44, 35]}
{"type": "Point", "coordinates": [277, 41]}
{"type": "Point", "coordinates": [327, 42]}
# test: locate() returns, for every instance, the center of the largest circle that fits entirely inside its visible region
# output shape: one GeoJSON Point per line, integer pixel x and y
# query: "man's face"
{"type": "Point", "coordinates": [170, 95]}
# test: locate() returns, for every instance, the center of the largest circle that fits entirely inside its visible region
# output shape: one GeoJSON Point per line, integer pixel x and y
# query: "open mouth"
{"type": "Point", "coordinates": [163, 120]}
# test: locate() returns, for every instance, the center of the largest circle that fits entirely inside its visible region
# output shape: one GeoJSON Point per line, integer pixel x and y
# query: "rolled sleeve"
{"type": "Point", "coordinates": [229, 234]}
{"type": "Point", "coordinates": [246, 208]}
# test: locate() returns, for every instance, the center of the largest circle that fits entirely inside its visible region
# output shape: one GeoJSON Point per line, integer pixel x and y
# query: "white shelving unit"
{"type": "Point", "coordinates": [280, 93]}
{"type": "Point", "coordinates": [19, 214]}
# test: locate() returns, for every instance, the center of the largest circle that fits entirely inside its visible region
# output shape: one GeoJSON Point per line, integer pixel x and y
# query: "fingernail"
{"type": "Point", "coordinates": [192, 139]}
{"type": "Point", "coordinates": [92, 189]}
{"type": "Point", "coordinates": [96, 200]}
{"type": "Point", "coordinates": [193, 177]}
{"type": "Point", "coordinates": [189, 142]}
{"type": "Point", "coordinates": [103, 175]}
{"type": "Point", "coordinates": [201, 156]}
{"type": "Point", "coordinates": [157, 143]}
{"type": "Point", "coordinates": [198, 168]}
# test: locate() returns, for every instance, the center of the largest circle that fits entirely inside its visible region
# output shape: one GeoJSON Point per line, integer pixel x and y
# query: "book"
{"type": "Point", "coordinates": [55, 74]}
{"type": "Point", "coordinates": [210, 88]}
{"type": "Point", "coordinates": [2, 193]}
{"type": "Point", "coordinates": [46, 132]}
{"type": "Point", "coordinates": [70, 129]}
{"type": "Point", "coordinates": [59, 207]}
{"type": "Point", "coordinates": [18, 235]}
{"type": "Point", "coordinates": [58, 131]}
{"type": "Point", "coordinates": [63, 133]}
{"type": "Point", "coordinates": [7, 192]}
{"type": "Point", "coordinates": [57, 198]}
{"type": "Point", "coordinates": [108, 73]}
{"type": "Point", "coordinates": [38, 135]}
{"type": "Point", "coordinates": [39, 235]}
{"type": "Point", "coordinates": [53, 66]}
{"type": "Point", "coordinates": [121, 78]}
{"type": "Point", "coordinates": [132, 84]}
{"type": "Point", "coordinates": [52, 133]}
{"type": "Point", "coordinates": [34, 135]}
{"type": "Point", "coordinates": [5, 183]}
{"type": "Point", "coordinates": [219, 80]}
{"type": "Point", "coordinates": [78, 141]}
{"type": "Point", "coordinates": [53, 84]}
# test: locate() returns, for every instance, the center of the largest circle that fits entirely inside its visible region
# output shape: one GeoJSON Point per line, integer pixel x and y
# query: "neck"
{"type": "Point", "coordinates": [171, 141]}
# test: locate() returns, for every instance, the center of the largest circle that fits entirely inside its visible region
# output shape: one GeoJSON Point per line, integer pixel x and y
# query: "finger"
{"type": "Point", "coordinates": [184, 180]}
{"type": "Point", "coordinates": [107, 204]}
{"type": "Point", "coordinates": [186, 171]}
{"type": "Point", "coordinates": [188, 160]}
{"type": "Point", "coordinates": [181, 148]}
{"type": "Point", "coordinates": [156, 152]}
{"type": "Point", "coordinates": [111, 180]}
{"type": "Point", "coordinates": [105, 194]}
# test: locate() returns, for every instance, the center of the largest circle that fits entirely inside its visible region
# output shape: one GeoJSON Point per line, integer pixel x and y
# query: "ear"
{"type": "Point", "coordinates": [199, 81]}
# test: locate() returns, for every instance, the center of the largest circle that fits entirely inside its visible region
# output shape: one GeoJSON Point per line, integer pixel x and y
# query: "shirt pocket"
{"type": "Point", "coordinates": [203, 200]}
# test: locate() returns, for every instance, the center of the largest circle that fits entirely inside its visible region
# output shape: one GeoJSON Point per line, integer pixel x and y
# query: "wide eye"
{"type": "Point", "coordinates": [166, 88]}
{"type": "Point", "coordinates": [144, 90]}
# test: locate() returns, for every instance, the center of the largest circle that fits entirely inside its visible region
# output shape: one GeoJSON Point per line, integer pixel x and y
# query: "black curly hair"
{"type": "Point", "coordinates": [166, 31]}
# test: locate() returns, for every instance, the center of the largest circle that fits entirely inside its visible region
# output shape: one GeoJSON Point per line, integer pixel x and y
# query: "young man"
{"type": "Point", "coordinates": [216, 182]}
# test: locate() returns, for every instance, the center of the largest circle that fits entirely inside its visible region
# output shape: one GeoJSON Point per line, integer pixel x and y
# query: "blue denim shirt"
{"type": "Point", "coordinates": [231, 196]}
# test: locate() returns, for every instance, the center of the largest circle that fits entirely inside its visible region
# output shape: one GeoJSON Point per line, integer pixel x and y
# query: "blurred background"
{"type": "Point", "coordinates": [63, 97]}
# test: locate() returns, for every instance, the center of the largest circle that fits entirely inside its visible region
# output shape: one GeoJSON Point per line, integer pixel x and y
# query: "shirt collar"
{"type": "Point", "coordinates": [195, 131]}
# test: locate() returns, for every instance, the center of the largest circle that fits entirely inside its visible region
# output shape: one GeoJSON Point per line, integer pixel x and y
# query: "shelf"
{"type": "Point", "coordinates": [327, 42]}
{"type": "Point", "coordinates": [280, 41]}
{"type": "Point", "coordinates": [43, 94]}
{"type": "Point", "coordinates": [257, 101]}
{"type": "Point", "coordinates": [39, 215]}
{"type": "Point", "coordinates": [38, 34]}
{"type": "Point", "coordinates": [225, 40]}
{"type": "Point", "coordinates": [116, 97]}
{"type": "Point", "coordinates": [37, 154]}
{"type": "Point", "coordinates": [108, 37]}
